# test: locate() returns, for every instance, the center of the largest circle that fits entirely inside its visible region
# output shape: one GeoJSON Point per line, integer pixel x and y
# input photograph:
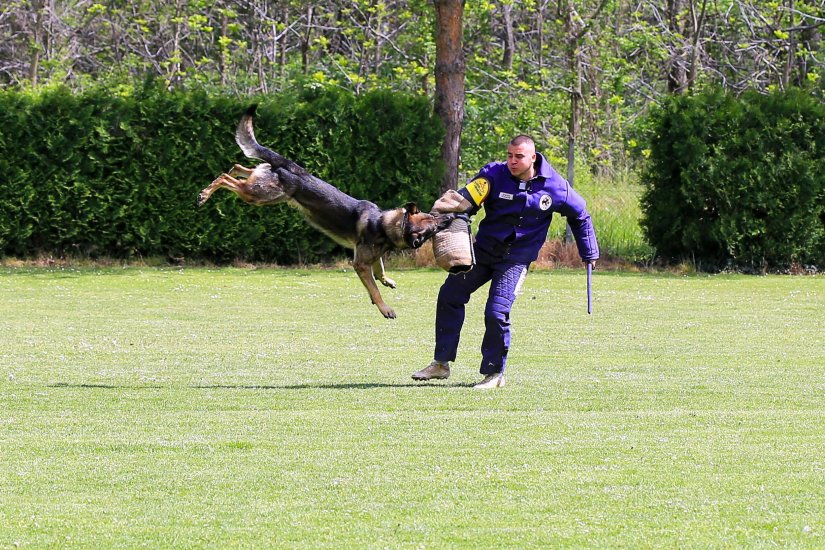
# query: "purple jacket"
{"type": "Point", "coordinates": [518, 214]}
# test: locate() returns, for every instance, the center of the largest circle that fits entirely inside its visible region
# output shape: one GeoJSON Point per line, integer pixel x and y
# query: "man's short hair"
{"type": "Point", "coordinates": [522, 139]}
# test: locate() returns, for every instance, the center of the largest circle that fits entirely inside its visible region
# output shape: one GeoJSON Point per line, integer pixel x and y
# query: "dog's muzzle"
{"type": "Point", "coordinates": [416, 240]}
{"type": "Point", "coordinates": [436, 223]}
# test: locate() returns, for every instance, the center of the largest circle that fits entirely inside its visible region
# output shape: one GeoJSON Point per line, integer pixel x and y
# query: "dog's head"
{"type": "Point", "coordinates": [419, 226]}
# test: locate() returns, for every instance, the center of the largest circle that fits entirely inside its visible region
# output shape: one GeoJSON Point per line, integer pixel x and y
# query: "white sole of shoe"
{"type": "Point", "coordinates": [492, 384]}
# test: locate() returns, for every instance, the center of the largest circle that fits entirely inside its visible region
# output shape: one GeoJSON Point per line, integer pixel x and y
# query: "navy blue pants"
{"type": "Point", "coordinates": [505, 278]}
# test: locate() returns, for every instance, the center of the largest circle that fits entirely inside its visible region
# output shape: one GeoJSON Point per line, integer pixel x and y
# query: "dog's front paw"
{"type": "Point", "coordinates": [386, 281]}
{"type": "Point", "coordinates": [202, 198]}
{"type": "Point", "coordinates": [387, 311]}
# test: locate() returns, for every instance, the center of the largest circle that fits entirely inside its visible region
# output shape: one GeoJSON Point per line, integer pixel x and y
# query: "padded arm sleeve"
{"type": "Point", "coordinates": [452, 201]}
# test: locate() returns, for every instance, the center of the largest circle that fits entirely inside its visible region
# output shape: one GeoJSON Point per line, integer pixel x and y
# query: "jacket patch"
{"type": "Point", "coordinates": [545, 202]}
{"type": "Point", "coordinates": [507, 196]}
{"type": "Point", "coordinates": [479, 188]}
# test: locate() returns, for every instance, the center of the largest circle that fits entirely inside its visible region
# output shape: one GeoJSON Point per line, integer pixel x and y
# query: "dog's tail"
{"type": "Point", "coordinates": [245, 137]}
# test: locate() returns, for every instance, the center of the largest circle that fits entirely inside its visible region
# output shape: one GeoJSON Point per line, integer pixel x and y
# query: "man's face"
{"type": "Point", "coordinates": [520, 158]}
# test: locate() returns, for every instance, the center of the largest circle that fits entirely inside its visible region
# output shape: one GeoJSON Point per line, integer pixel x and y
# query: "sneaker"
{"type": "Point", "coordinates": [434, 371]}
{"type": "Point", "coordinates": [491, 381]}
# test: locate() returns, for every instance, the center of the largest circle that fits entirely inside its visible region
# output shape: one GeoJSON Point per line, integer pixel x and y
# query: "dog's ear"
{"type": "Point", "coordinates": [411, 208]}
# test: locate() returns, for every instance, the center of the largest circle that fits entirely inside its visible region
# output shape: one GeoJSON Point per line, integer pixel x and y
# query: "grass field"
{"type": "Point", "coordinates": [273, 408]}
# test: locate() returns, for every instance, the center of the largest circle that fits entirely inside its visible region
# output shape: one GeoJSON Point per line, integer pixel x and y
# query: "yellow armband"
{"type": "Point", "coordinates": [478, 189]}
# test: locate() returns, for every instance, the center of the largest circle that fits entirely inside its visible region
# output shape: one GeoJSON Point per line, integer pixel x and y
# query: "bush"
{"type": "Point", "coordinates": [97, 175]}
{"type": "Point", "coordinates": [737, 181]}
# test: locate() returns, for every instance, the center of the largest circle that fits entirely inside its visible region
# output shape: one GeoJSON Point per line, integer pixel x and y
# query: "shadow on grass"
{"type": "Point", "coordinates": [102, 386]}
{"type": "Point", "coordinates": [347, 386]}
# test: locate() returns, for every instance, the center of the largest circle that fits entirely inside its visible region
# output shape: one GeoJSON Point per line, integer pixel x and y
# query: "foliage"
{"type": "Point", "coordinates": [94, 174]}
{"type": "Point", "coordinates": [487, 133]}
{"type": "Point", "coordinates": [586, 71]}
{"type": "Point", "coordinates": [738, 180]}
{"type": "Point", "coordinates": [614, 58]}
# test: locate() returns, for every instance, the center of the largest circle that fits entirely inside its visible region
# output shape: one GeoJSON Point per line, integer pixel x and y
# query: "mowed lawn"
{"type": "Point", "coordinates": [240, 408]}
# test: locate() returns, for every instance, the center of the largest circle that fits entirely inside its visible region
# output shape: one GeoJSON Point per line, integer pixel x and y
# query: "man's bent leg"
{"type": "Point", "coordinates": [449, 318]}
{"type": "Point", "coordinates": [449, 312]}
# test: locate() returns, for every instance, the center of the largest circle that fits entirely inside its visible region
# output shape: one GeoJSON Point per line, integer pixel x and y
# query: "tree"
{"type": "Point", "coordinates": [449, 83]}
{"type": "Point", "coordinates": [567, 72]}
{"type": "Point", "coordinates": [577, 28]}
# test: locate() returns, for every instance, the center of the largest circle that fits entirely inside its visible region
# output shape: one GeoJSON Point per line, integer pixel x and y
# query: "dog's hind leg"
{"type": "Point", "coordinates": [224, 180]}
{"type": "Point", "coordinates": [380, 275]}
{"type": "Point", "coordinates": [239, 170]}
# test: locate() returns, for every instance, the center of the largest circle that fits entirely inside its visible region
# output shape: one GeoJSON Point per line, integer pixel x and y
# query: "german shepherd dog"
{"type": "Point", "coordinates": [356, 224]}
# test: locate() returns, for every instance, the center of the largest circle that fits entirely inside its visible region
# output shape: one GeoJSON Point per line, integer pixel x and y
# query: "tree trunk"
{"type": "Point", "coordinates": [282, 41]}
{"type": "Point", "coordinates": [224, 52]}
{"type": "Point", "coordinates": [379, 22]}
{"type": "Point", "coordinates": [306, 40]}
{"type": "Point", "coordinates": [677, 72]}
{"type": "Point", "coordinates": [574, 124]}
{"type": "Point", "coordinates": [540, 33]}
{"type": "Point", "coordinates": [177, 55]}
{"type": "Point", "coordinates": [36, 42]}
{"type": "Point", "coordinates": [811, 39]}
{"type": "Point", "coordinates": [509, 37]}
{"type": "Point", "coordinates": [575, 64]}
{"type": "Point", "coordinates": [698, 23]}
{"type": "Point", "coordinates": [449, 83]}
{"type": "Point", "coordinates": [791, 49]}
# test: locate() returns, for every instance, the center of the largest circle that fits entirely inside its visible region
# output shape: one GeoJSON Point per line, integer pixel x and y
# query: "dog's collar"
{"type": "Point", "coordinates": [405, 221]}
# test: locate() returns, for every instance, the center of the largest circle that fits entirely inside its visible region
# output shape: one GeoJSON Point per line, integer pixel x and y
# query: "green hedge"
{"type": "Point", "coordinates": [96, 175]}
{"type": "Point", "coordinates": [737, 181]}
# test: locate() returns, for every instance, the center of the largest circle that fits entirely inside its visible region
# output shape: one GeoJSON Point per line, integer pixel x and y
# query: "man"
{"type": "Point", "coordinates": [519, 199]}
